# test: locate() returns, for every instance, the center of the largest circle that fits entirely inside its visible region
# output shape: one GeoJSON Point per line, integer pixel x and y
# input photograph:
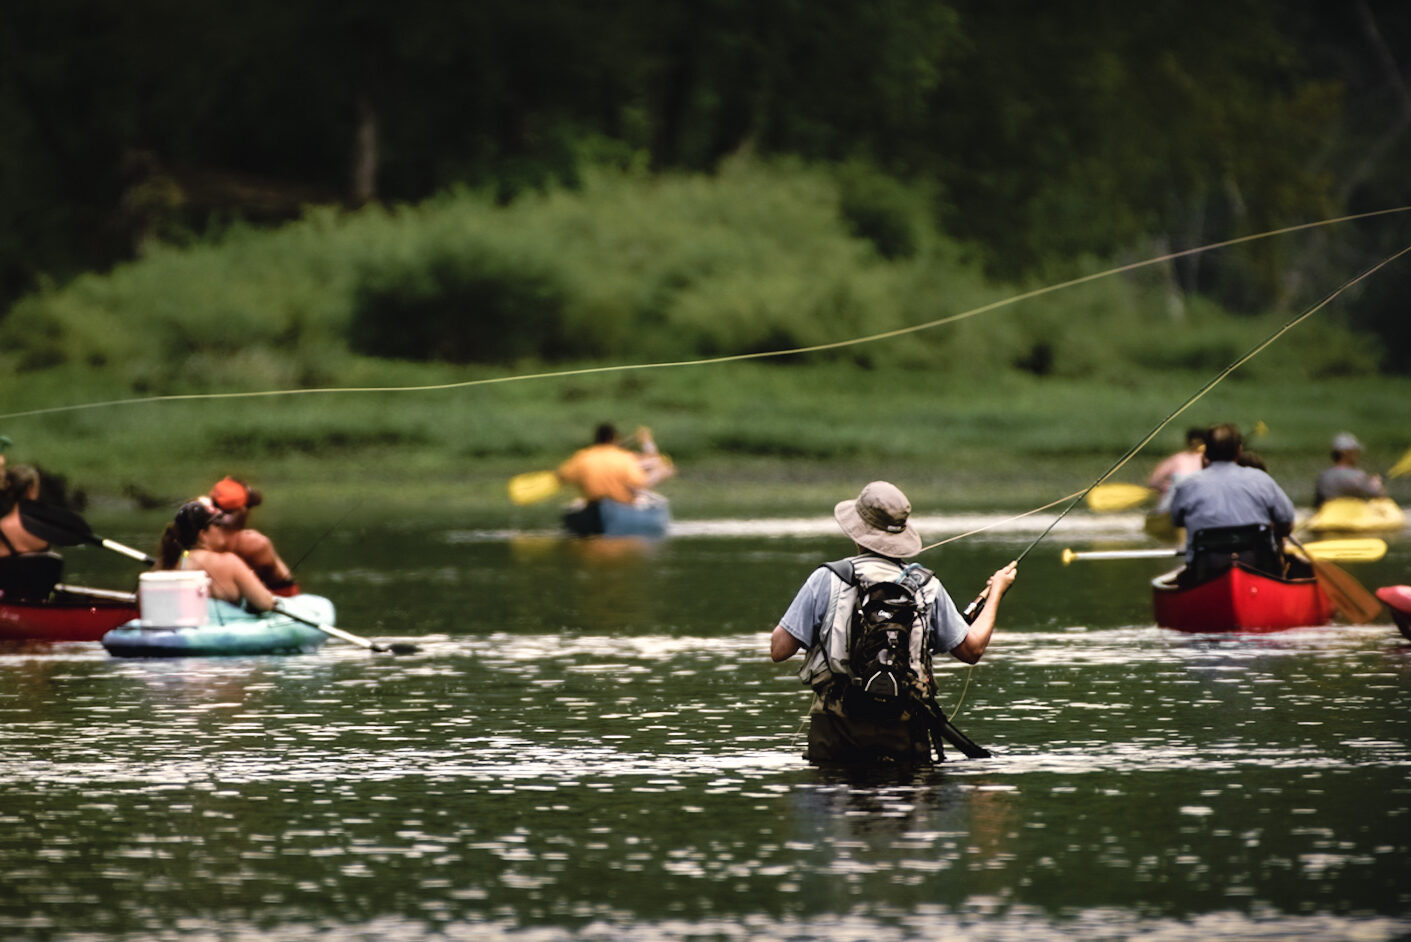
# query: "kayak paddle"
{"type": "Point", "coordinates": [87, 592]}
{"type": "Point", "coordinates": [1350, 550]}
{"type": "Point", "coordinates": [346, 635]}
{"type": "Point", "coordinates": [1402, 466]}
{"type": "Point", "coordinates": [1352, 599]}
{"type": "Point", "coordinates": [1109, 497]}
{"type": "Point", "coordinates": [533, 486]}
{"type": "Point", "coordinates": [63, 527]}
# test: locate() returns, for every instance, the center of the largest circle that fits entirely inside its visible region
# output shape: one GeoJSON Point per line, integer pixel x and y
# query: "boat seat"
{"type": "Point", "coordinates": [1216, 549]}
{"type": "Point", "coordinates": [30, 577]}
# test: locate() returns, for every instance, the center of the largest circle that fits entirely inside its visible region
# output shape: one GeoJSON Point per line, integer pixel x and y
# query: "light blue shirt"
{"type": "Point", "coordinates": [810, 607]}
{"type": "Point", "coordinates": [1227, 495]}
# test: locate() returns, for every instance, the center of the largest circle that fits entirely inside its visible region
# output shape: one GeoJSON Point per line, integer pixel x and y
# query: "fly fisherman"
{"type": "Point", "coordinates": [869, 626]}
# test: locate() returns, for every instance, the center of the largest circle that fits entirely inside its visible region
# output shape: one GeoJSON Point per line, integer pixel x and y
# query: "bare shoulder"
{"type": "Point", "coordinates": [248, 542]}
{"type": "Point", "coordinates": [219, 565]}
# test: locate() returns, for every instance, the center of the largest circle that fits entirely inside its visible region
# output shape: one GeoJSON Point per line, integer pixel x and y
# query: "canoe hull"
{"type": "Point", "coordinates": [649, 517]}
{"type": "Point", "coordinates": [228, 630]}
{"type": "Point", "coordinates": [1397, 599]}
{"type": "Point", "coordinates": [65, 620]}
{"type": "Point", "coordinates": [1240, 600]}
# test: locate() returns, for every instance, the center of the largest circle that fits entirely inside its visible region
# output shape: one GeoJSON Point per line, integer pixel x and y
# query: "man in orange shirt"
{"type": "Point", "coordinates": [607, 471]}
{"type": "Point", "coordinates": [604, 470]}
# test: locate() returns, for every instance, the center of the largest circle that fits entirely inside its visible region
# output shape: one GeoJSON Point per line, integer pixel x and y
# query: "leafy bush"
{"type": "Point", "coordinates": [625, 267]}
{"type": "Point", "coordinates": [473, 308]}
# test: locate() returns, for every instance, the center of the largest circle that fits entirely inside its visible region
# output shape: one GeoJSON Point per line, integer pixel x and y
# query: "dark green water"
{"type": "Point", "coordinates": [592, 743]}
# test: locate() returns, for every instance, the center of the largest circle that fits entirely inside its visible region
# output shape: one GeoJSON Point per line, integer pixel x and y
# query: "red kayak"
{"type": "Point", "coordinates": [67, 619]}
{"type": "Point", "coordinates": [1398, 599]}
{"type": "Point", "coordinates": [1240, 599]}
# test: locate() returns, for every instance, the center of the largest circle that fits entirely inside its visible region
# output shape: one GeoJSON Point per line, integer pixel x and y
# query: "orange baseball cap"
{"type": "Point", "coordinates": [229, 495]}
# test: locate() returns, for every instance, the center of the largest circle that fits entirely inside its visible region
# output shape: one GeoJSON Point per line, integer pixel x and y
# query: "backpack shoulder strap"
{"type": "Point", "coordinates": [914, 575]}
{"type": "Point", "coordinates": [842, 568]}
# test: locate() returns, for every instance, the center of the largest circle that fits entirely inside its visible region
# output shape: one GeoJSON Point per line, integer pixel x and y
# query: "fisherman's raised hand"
{"type": "Point", "coordinates": [1000, 582]}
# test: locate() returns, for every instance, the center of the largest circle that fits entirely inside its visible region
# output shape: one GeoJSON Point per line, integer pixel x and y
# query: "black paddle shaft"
{"type": "Point", "coordinates": [62, 527]}
{"type": "Point", "coordinates": [55, 524]}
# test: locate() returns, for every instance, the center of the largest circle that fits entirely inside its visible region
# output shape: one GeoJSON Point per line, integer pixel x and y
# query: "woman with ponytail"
{"type": "Point", "coordinates": [194, 541]}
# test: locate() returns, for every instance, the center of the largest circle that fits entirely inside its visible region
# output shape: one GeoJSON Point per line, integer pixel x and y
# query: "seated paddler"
{"type": "Point", "coordinates": [194, 540]}
{"type": "Point", "coordinates": [235, 499]}
{"type": "Point", "coordinates": [1230, 511]}
{"type": "Point", "coordinates": [19, 482]}
{"type": "Point", "coordinates": [607, 471]}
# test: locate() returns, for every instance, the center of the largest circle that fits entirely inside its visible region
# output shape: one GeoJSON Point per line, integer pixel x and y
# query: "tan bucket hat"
{"type": "Point", "coordinates": [877, 520]}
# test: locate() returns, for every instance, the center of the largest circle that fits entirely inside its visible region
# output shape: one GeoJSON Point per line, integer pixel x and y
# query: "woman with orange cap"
{"type": "Point", "coordinates": [234, 499]}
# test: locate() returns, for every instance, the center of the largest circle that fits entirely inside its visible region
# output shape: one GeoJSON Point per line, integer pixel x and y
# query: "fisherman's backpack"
{"type": "Point", "coordinates": [887, 634]}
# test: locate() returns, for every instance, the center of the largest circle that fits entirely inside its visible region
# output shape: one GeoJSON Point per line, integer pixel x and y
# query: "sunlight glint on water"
{"type": "Point", "coordinates": [597, 747]}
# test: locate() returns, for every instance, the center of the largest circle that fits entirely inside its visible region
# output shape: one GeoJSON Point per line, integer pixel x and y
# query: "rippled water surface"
{"type": "Point", "coordinates": [592, 743]}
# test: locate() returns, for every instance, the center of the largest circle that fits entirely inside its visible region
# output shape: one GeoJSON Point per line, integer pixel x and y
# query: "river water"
{"type": "Point", "coordinates": [592, 743]}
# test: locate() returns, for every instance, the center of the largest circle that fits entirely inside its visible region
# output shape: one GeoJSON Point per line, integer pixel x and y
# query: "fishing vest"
{"type": "Point", "coordinates": [828, 668]}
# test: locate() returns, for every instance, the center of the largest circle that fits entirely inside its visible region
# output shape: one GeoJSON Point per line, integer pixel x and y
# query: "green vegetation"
{"type": "Point", "coordinates": [1011, 408]}
{"type": "Point", "coordinates": [1038, 140]}
{"type": "Point", "coordinates": [625, 268]}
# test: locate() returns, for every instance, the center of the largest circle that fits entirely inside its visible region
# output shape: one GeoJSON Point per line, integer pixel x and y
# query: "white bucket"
{"type": "Point", "coordinates": [173, 599]}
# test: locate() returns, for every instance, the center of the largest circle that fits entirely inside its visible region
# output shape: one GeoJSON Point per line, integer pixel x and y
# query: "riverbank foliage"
{"type": "Point", "coordinates": [538, 316]}
{"type": "Point", "coordinates": [1041, 142]}
{"type": "Point", "coordinates": [628, 268]}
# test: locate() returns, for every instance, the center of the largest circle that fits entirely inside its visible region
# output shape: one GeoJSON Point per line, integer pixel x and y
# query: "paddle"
{"type": "Point", "coordinates": [345, 635]}
{"type": "Point", "coordinates": [1402, 466]}
{"type": "Point", "coordinates": [1349, 596]}
{"type": "Point", "coordinates": [1108, 497]}
{"type": "Point", "coordinates": [533, 486]}
{"type": "Point", "coordinates": [110, 594]}
{"type": "Point", "coordinates": [1350, 550]}
{"type": "Point", "coordinates": [63, 527]}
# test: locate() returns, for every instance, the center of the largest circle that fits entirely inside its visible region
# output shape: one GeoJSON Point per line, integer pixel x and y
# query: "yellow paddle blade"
{"type": "Point", "coordinates": [1402, 466]}
{"type": "Point", "coordinates": [1107, 497]}
{"type": "Point", "coordinates": [533, 486]}
{"type": "Point", "coordinates": [1367, 550]}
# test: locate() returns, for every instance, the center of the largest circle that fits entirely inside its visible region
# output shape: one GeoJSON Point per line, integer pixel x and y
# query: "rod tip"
{"type": "Point", "coordinates": [1068, 555]}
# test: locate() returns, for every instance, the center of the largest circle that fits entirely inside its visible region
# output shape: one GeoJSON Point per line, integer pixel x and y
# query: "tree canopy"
{"type": "Point", "coordinates": [1040, 133]}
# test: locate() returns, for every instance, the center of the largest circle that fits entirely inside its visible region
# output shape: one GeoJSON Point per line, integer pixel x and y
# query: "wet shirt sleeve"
{"type": "Point", "coordinates": [806, 611]}
{"type": "Point", "coordinates": [948, 626]}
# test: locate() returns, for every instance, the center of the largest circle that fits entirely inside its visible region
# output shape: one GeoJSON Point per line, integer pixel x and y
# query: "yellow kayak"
{"type": "Point", "coordinates": [1356, 515]}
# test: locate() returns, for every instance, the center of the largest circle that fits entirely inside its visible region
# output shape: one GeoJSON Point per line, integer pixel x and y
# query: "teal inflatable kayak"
{"type": "Point", "coordinates": [228, 629]}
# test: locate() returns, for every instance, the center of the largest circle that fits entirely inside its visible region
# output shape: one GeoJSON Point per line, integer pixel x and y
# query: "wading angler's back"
{"type": "Point", "coordinates": [873, 654]}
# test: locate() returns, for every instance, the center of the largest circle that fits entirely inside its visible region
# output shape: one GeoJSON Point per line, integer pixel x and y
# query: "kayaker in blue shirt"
{"type": "Point", "coordinates": [1228, 494]}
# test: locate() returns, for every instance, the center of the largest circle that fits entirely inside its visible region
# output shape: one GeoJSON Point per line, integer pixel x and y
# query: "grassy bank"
{"type": "Point", "coordinates": [749, 439]}
{"type": "Point", "coordinates": [1005, 409]}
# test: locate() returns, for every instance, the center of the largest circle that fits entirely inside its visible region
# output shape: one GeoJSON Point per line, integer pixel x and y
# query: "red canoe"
{"type": "Point", "coordinates": [1240, 600]}
{"type": "Point", "coordinates": [1398, 599]}
{"type": "Point", "coordinates": [71, 619]}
